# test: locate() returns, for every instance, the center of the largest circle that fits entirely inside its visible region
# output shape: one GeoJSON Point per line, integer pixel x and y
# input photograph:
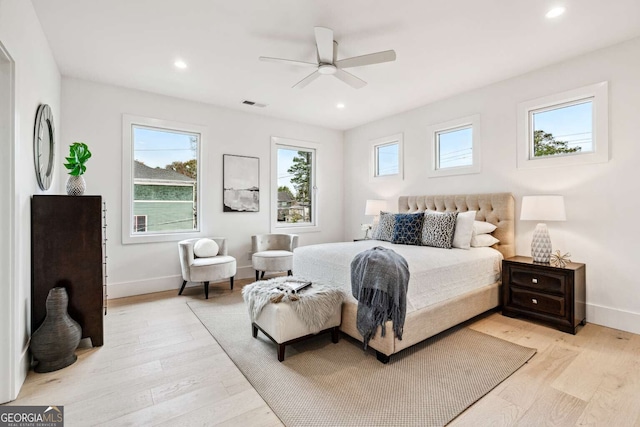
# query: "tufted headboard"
{"type": "Point", "coordinates": [496, 208]}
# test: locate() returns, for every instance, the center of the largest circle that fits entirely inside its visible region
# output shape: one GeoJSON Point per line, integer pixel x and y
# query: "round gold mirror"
{"type": "Point", "coordinates": [44, 140]}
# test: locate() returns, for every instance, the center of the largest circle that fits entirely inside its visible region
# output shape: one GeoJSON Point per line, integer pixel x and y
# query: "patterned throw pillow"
{"type": "Point", "coordinates": [408, 229]}
{"type": "Point", "coordinates": [384, 230]}
{"type": "Point", "coordinates": [438, 229]}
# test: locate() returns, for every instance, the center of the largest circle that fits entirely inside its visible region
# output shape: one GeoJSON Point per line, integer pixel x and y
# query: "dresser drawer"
{"type": "Point", "coordinates": [535, 280]}
{"type": "Point", "coordinates": [536, 302]}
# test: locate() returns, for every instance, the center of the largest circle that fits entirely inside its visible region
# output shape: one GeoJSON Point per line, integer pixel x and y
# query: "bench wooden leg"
{"type": "Point", "coordinates": [254, 330]}
{"type": "Point", "coordinates": [262, 275]}
{"type": "Point", "coordinates": [280, 352]}
{"type": "Point", "coordinates": [257, 275]}
{"type": "Point", "coordinates": [382, 357]}
{"type": "Point", "coordinates": [289, 273]}
{"type": "Point", "coordinates": [335, 335]}
{"type": "Point", "coordinates": [231, 281]}
{"type": "Point", "coordinates": [206, 290]}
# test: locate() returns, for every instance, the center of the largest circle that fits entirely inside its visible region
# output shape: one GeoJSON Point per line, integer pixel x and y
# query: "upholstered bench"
{"type": "Point", "coordinates": [287, 321]}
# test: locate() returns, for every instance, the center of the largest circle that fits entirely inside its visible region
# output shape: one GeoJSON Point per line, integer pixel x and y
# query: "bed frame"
{"type": "Point", "coordinates": [496, 208]}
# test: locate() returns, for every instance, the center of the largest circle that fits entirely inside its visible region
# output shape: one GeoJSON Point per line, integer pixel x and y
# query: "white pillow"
{"type": "Point", "coordinates": [464, 229]}
{"type": "Point", "coordinates": [483, 227]}
{"type": "Point", "coordinates": [205, 248]}
{"type": "Point", "coordinates": [483, 241]}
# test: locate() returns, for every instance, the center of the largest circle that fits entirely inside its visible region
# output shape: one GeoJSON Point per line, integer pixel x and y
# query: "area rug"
{"type": "Point", "coordinates": [324, 384]}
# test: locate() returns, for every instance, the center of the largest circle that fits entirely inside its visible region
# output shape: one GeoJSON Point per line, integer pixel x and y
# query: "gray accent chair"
{"type": "Point", "coordinates": [273, 252]}
{"type": "Point", "coordinates": [206, 269]}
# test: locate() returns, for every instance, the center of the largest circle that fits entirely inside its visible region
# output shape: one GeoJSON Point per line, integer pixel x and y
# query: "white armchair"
{"type": "Point", "coordinates": [205, 269]}
{"type": "Point", "coordinates": [273, 252]}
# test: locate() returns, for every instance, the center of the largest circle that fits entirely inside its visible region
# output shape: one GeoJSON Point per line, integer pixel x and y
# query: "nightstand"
{"type": "Point", "coordinates": [554, 295]}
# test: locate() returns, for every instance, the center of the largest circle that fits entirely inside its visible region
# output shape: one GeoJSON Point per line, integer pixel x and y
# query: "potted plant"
{"type": "Point", "coordinates": [78, 155]}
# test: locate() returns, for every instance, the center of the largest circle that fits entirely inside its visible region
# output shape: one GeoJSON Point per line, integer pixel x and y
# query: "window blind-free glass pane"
{"type": "Point", "coordinates": [387, 160]}
{"type": "Point", "coordinates": [562, 130]}
{"type": "Point", "coordinates": [294, 185]}
{"type": "Point", "coordinates": [455, 148]}
{"type": "Point", "coordinates": [165, 180]}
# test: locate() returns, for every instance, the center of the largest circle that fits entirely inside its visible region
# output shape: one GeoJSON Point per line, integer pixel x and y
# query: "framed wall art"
{"type": "Point", "coordinates": [241, 183]}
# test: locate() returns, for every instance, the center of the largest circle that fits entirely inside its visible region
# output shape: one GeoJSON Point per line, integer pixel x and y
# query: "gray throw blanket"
{"type": "Point", "coordinates": [379, 281]}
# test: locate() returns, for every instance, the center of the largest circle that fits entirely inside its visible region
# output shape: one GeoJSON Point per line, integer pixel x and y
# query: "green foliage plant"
{"type": "Point", "coordinates": [78, 155]}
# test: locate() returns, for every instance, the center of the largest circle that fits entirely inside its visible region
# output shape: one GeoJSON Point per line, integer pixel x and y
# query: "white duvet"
{"type": "Point", "coordinates": [436, 274]}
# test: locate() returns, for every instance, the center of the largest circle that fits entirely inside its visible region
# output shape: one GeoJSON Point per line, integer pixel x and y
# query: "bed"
{"type": "Point", "coordinates": [438, 297]}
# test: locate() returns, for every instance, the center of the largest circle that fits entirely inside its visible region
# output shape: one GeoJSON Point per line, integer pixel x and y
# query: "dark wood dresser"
{"type": "Point", "coordinates": [554, 295]}
{"type": "Point", "coordinates": [67, 251]}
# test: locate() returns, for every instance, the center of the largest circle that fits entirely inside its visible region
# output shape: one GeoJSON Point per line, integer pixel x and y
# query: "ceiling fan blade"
{"type": "Point", "coordinates": [350, 79]}
{"type": "Point", "coordinates": [311, 77]}
{"type": "Point", "coordinates": [324, 43]}
{"type": "Point", "coordinates": [288, 61]}
{"type": "Point", "coordinates": [372, 58]}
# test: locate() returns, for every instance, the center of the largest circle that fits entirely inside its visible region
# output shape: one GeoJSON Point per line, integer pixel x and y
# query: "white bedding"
{"type": "Point", "coordinates": [436, 274]}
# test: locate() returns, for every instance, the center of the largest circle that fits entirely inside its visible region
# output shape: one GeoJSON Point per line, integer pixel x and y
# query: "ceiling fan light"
{"type": "Point", "coordinates": [327, 69]}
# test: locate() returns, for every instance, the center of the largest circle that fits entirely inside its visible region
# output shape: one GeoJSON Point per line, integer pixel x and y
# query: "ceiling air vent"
{"type": "Point", "coordinates": [254, 104]}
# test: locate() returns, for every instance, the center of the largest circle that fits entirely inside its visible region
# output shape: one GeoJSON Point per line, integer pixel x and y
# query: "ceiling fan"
{"type": "Point", "coordinates": [327, 50]}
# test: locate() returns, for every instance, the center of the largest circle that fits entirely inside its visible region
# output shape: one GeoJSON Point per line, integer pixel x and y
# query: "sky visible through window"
{"type": "Point", "coordinates": [159, 147]}
{"type": "Point", "coordinates": [455, 148]}
{"type": "Point", "coordinates": [572, 123]}
{"type": "Point", "coordinates": [285, 161]}
{"type": "Point", "coordinates": [387, 156]}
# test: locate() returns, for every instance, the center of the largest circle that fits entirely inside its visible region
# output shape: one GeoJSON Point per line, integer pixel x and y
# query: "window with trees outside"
{"type": "Point", "coordinates": [455, 147]}
{"type": "Point", "coordinates": [162, 168]}
{"type": "Point", "coordinates": [294, 166]}
{"type": "Point", "coordinates": [563, 129]}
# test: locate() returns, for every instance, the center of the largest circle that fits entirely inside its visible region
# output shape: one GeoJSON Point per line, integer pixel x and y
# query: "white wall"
{"type": "Point", "coordinates": [37, 81]}
{"type": "Point", "coordinates": [601, 199]}
{"type": "Point", "coordinates": [93, 113]}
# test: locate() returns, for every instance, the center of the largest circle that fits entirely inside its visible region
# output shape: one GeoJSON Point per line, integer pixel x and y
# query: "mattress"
{"type": "Point", "coordinates": [435, 274]}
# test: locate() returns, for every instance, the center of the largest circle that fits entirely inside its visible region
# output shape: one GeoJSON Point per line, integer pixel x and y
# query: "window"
{"type": "Point", "coordinates": [387, 157]}
{"type": "Point", "coordinates": [455, 147]}
{"type": "Point", "coordinates": [161, 182]}
{"type": "Point", "coordinates": [293, 181]}
{"type": "Point", "coordinates": [139, 223]}
{"type": "Point", "coordinates": [564, 129]}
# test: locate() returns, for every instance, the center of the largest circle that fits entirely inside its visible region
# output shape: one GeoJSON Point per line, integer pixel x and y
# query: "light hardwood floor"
{"type": "Point", "coordinates": [160, 366]}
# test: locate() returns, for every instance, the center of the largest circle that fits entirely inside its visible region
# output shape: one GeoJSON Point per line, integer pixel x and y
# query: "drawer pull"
{"type": "Point", "coordinates": [534, 280]}
{"type": "Point", "coordinates": [533, 300]}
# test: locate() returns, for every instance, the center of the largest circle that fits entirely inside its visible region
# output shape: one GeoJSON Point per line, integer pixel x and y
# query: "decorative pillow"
{"type": "Point", "coordinates": [384, 230]}
{"type": "Point", "coordinates": [408, 229]}
{"type": "Point", "coordinates": [483, 241]}
{"type": "Point", "coordinates": [438, 229]}
{"type": "Point", "coordinates": [464, 230]}
{"type": "Point", "coordinates": [483, 227]}
{"type": "Point", "coordinates": [205, 248]}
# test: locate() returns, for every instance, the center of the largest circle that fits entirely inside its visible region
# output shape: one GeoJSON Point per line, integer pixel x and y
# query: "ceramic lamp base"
{"type": "Point", "coordinates": [541, 244]}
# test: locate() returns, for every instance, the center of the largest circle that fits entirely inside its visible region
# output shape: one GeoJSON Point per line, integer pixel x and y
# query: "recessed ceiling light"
{"type": "Point", "coordinates": [180, 64]}
{"type": "Point", "coordinates": [555, 12]}
{"type": "Point", "coordinates": [340, 105]}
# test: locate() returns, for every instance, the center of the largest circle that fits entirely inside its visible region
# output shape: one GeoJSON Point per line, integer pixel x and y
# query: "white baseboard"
{"type": "Point", "coordinates": [613, 318]}
{"type": "Point", "coordinates": [23, 369]}
{"type": "Point", "coordinates": [160, 284]}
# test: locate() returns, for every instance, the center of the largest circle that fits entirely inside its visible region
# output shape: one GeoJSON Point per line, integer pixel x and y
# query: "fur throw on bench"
{"type": "Point", "coordinates": [314, 304]}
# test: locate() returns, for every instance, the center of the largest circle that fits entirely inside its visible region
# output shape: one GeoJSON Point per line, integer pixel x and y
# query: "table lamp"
{"type": "Point", "coordinates": [542, 208]}
{"type": "Point", "coordinates": [373, 208]}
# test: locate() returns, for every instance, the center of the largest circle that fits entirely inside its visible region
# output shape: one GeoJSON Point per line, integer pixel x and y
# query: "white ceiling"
{"type": "Point", "coordinates": [443, 48]}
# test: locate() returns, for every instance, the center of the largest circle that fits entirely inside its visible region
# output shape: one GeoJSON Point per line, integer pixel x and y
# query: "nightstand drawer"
{"type": "Point", "coordinates": [536, 280]}
{"type": "Point", "coordinates": [541, 303]}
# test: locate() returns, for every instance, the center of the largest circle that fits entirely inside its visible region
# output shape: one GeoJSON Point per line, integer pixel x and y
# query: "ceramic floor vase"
{"type": "Point", "coordinates": [54, 343]}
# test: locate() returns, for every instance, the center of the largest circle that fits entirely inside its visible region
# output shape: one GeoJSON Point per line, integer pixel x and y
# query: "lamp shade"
{"type": "Point", "coordinates": [373, 207]}
{"type": "Point", "coordinates": [543, 208]}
